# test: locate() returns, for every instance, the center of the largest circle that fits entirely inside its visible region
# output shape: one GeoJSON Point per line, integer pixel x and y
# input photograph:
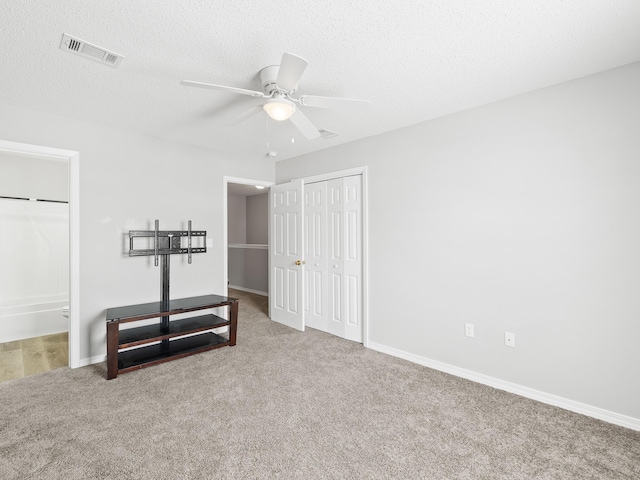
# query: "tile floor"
{"type": "Point", "coordinates": [22, 358]}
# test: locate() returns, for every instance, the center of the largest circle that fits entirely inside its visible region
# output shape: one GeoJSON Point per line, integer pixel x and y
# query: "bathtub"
{"type": "Point", "coordinates": [37, 318]}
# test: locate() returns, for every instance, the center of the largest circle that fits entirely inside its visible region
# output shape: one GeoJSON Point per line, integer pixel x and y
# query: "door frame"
{"type": "Point", "coordinates": [226, 180]}
{"type": "Point", "coordinates": [362, 171]}
{"type": "Point", "coordinates": [73, 159]}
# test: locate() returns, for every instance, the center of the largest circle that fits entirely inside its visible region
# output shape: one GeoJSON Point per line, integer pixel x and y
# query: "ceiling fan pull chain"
{"type": "Point", "coordinates": [267, 130]}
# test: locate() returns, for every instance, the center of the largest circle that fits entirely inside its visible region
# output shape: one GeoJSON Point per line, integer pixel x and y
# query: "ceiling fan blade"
{"type": "Point", "coordinates": [291, 69]}
{"type": "Point", "coordinates": [241, 91]}
{"type": "Point", "coordinates": [333, 102]}
{"type": "Point", "coordinates": [244, 116]}
{"type": "Point", "coordinates": [305, 126]}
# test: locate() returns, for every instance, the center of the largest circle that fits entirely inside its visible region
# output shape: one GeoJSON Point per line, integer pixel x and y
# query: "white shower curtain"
{"type": "Point", "coordinates": [34, 252]}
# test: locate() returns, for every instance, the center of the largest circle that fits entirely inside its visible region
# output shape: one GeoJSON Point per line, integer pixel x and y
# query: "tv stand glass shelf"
{"type": "Point", "coordinates": [138, 347]}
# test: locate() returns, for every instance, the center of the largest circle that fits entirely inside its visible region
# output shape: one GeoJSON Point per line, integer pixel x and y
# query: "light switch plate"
{"type": "Point", "coordinates": [468, 329]}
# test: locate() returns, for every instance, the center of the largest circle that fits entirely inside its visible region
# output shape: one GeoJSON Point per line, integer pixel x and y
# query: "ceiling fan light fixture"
{"type": "Point", "coordinates": [279, 109]}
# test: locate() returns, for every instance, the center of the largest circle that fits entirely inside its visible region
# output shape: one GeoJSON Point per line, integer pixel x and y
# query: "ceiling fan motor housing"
{"type": "Point", "coordinates": [268, 77]}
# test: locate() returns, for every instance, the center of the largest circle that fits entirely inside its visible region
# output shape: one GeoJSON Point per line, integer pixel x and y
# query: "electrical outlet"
{"type": "Point", "coordinates": [510, 339]}
{"type": "Point", "coordinates": [468, 329]}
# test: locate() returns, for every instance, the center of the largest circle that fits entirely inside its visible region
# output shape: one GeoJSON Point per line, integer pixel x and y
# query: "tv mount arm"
{"type": "Point", "coordinates": [166, 243]}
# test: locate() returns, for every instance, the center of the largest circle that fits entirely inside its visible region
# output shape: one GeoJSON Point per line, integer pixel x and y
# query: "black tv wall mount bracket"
{"type": "Point", "coordinates": [166, 243]}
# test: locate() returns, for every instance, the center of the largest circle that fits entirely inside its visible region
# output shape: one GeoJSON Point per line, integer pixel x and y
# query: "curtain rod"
{"type": "Point", "coordinates": [33, 199]}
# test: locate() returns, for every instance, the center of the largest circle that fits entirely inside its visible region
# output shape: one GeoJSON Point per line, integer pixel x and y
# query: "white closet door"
{"type": "Point", "coordinates": [335, 228]}
{"type": "Point", "coordinates": [315, 254]}
{"type": "Point", "coordinates": [344, 215]}
{"type": "Point", "coordinates": [324, 231]}
{"type": "Point", "coordinates": [286, 241]}
{"type": "Point", "coordinates": [352, 258]}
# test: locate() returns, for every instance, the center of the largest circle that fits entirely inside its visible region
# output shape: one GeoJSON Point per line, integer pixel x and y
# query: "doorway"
{"type": "Point", "coordinates": [72, 157]}
{"type": "Point", "coordinates": [245, 235]}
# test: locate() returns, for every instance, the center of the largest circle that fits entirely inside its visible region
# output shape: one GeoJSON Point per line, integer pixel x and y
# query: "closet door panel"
{"type": "Point", "coordinates": [315, 254]}
{"type": "Point", "coordinates": [352, 264]}
{"type": "Point", "coordinates": [335, 224]}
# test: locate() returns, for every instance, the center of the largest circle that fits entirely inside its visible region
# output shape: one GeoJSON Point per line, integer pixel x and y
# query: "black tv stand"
{"type": "Point", "coordinates": [183, 337]}
{"type": "Point", "coordinates": [138, 347]}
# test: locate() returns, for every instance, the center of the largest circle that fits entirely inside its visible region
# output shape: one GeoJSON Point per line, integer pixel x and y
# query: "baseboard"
{"type": "Point", "coordinates": [249, 290]}
{"type": "Point", "coordinates": [571, 405]}
{"type": "Point", "coordinates": [91, 360]}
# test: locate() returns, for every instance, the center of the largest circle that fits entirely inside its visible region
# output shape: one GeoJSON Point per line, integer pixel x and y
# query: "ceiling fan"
{"type": "Point", "coordinates": [279, 83]}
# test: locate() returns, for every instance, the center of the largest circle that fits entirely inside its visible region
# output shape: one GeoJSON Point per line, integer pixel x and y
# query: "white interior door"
{"type": "Point", "coordinates": [319, 224]}
{"type": "Point", "coordinates": [286, 261]}
{"type": "Point", "coordinates": [343, 258]}
{"type": "Point", "coordinates": [335, 227]}
{"type": "Point", "coordinates": [315, 254]}
{"type": "Point", "coordinates": [352, 258]}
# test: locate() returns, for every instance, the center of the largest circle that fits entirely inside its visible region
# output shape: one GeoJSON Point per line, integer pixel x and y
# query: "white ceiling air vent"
{"type": "Point", "coordinates": [85, 49]}
{"type": "Point", "coordinates": [327, 134]}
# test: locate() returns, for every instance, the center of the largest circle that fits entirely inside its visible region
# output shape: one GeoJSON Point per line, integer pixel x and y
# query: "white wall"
{"type": "Point", "coordinates": [26, 177]}
{"type": "Point", "coordinates": [518, 216]}
{"type": "Point", "coordinates": [249, 269]}
{"type": "Point", "coordinates": [126, 181]}
{"type": "Point", "coordinates": [258, 219]}
{"type": "Point", "coordinates": [237, 219]}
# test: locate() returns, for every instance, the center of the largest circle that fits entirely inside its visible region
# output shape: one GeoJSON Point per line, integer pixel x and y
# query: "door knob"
{"type": "Point", "coordinates": [300, 262]}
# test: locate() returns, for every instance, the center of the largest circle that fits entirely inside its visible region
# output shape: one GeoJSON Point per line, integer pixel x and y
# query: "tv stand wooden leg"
{"type": "Point", "coordinates": [112, 349]}
{"type": "Point", "coordinates": [233, 318]}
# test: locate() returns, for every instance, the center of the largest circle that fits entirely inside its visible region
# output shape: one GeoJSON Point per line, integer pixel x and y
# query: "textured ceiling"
{"type": "Point", "coordinates": [415, 60]}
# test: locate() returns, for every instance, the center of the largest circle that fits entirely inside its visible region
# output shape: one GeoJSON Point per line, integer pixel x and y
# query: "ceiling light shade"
{"type": "Point", "coordinates": [279, 108]}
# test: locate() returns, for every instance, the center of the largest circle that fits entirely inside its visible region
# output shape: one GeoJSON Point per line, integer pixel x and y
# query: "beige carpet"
{"type": "Point", "coordinates": [285, 404]}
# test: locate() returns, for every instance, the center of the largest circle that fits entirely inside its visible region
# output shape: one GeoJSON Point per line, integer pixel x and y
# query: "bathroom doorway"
{"type": "Point", "coordinates": [40, 192]}
{"type": "Point", "coordinates": [34, 280]}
